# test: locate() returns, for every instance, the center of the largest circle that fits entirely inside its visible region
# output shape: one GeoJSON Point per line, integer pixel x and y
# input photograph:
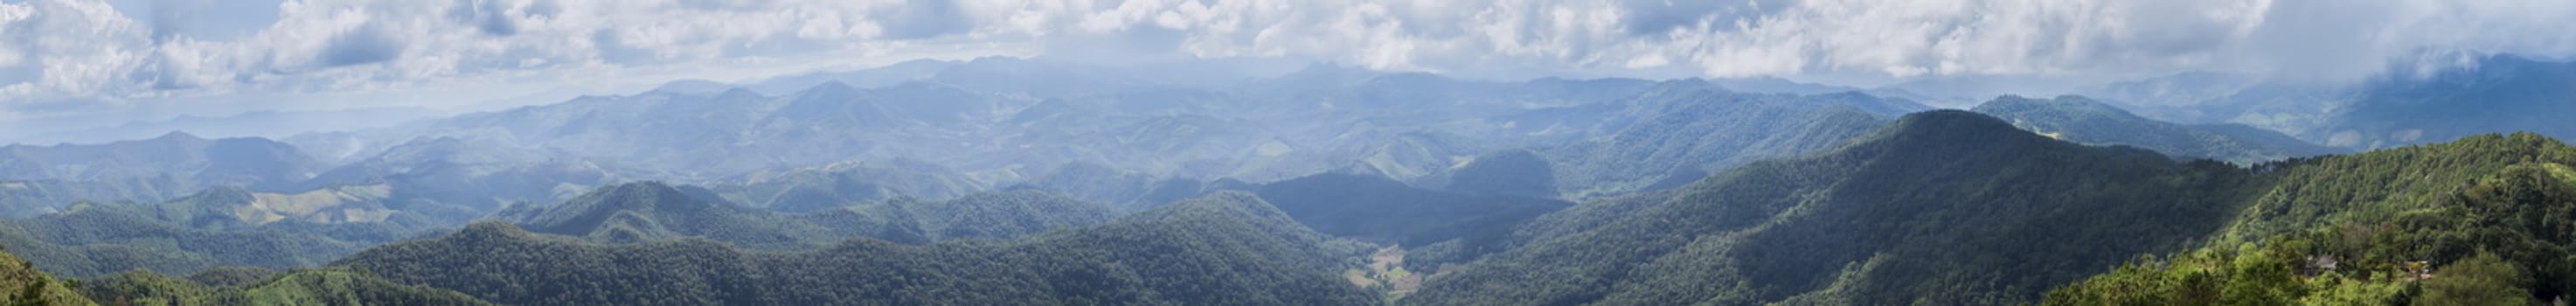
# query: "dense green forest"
{"type": "Point", "coordinates": [2485, 220]}
{"type": "Point", "coordinates": [95, 239]}
{"type": "Point", "coordinates": [1454, 226]}
{"type": "Point", "coordinates": [651, 211]}
{"type": "Point", "coordinates": [22, 284]}
{"type": "Point", "coordinates": [1941, 207]}
{"type": "Point", "coordinates": [1225, 248]}
{"type": "Point", "coordinates": [1684, 130]}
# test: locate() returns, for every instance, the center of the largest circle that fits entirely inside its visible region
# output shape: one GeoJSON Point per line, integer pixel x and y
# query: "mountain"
{"type": "Point", "coordinates": [22, 284]}
{"type": "Point", "coordinates": [455, 179]}
{"type": "Point", "coordinates": [1683, 130]}
{"type": "Point", "coordinates": [328, 286]}
{"type": "Point", "coordinates": [253, 162]}
{"type": "Point", "coordinates": [1939, 207]}
{"type": "Point", "coordinates": [652, 211]}
{"type": "Point", "coordinates": [845, 183]}
{"type": "Point", "coordinates": [2480, 220]}
{"type": "Point", "coordinates": [1515, 173]}
{"type": "Point", "coordinates": [40, 179]}
{"type": "Point", "coordinates": [2414, 104]}
{"type": "Point", "coordinates": [2087, 121]}
{"type": "Point", "coordinates": [1432, 227]}
{"type": "Point", "coordinates": [1226, 248]}
{"type": "Point", "coordinates": [98, 239]}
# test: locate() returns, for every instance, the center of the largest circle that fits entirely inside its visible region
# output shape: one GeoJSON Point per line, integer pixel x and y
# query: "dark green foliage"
{"type": "Point", "coordinates": [2083, 120]}
{"type": "Point", "coordinates": [88, 242]}
{"type": "Point", "coordinates": [334, 286]}
{"type": "Point", "coordinates": [22, 284]}
{"type": "Point", "coordinates": [2500, 93]}
{"type": "Point", "coordinates": [1941, 207]}
{"type": "Point", "coordinates": [654, 211]}
{"type": "Point", "coordinates": [1515, 173]}
{"type": "Point", "coordinates": [2482, 280]}
{"type": "Point", "coordinates": [1376, 209]}
{"type": "Point", "coordinates": [1225, 249]}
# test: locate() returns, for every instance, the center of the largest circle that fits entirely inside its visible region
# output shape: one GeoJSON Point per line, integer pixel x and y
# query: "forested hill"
{"type": "Point", "coordinates": [2485, 220]}
{"type": "Point", "coordinates": [22, 284]}
{"type": "Point", "coordinates": [649, 211]}
{"type": "Point", "coordinates": [2087, 121]}
{"type": "Point", "coordinates": [1939, 207]}
{"type": "Point", "coordinates": [1228, 248]}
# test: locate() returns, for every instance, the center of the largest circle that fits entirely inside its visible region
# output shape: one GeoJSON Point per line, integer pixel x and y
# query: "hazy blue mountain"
{"type": "Point", "coordinates": [221, 227]}
{"type": "Point", "coordinates": [1517, 173]}
{"type": "Point", "coordinates": [1682, 130]}
{"type": "Point", "coordinates": [1767, 84]}
{"type": "Point", "coordinates": [2087, 121]}
{"type": "Point", "coordinates": [35, 197]}
{"type": "Point", "coordinates": [888, 75]}
{"type": "Point", "coordinates": [2501, 93]}
{"type": "Point", "coordinates": [456, 179]}
{"type": "Point", "coordinates": [2492, 94]}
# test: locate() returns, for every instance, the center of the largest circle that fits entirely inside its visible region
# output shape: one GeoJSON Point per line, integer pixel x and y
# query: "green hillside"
{"type": "Point", "coordinates": [653, 211]}
{"type": "Point", "coordinates": [1941, 207]}
{"type": "Point", "coordinates": [1224, 249]}
{"type": "Point", "coordinates": [2485, 220]}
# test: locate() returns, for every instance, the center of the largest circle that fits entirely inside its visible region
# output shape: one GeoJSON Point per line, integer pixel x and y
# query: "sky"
{"type": "Point", "coordinates": [90, 60]}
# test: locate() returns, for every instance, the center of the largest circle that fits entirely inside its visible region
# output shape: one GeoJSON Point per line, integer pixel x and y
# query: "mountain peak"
{"type": "Point", "coordinates": [1952, 126]}
{"type": "Point", "coordinates": [176, 135]}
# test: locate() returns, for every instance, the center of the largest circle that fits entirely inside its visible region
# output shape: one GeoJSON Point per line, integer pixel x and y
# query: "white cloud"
{"type": "Point", "coordinates": [85, 50]}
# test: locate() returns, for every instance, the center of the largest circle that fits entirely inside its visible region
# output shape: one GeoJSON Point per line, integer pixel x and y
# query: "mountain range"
{"type": "Point", "coordinates": [1004, 181]}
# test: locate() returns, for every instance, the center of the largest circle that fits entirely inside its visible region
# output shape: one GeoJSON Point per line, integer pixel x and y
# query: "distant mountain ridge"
{"type": "Point", "coordinates": [2084, 120]}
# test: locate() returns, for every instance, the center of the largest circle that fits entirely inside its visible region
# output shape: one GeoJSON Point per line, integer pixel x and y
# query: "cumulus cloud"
{"type": "Point", "coordinates": [88, 50]}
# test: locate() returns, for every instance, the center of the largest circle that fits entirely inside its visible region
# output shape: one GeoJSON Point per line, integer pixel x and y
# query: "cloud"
{"type": "Point", "coordinates": [87, 50]}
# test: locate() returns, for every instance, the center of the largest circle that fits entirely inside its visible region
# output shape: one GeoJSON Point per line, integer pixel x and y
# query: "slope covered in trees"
{"type": "Point", "coordinates": [22, 284]}
{"type": "Point", "coordinates": [95, 239]}
{"type": "Point", "coordinates": [1940, 207]}
{"type": "Point", "coordinates": [650, 211]}
{"type": "Point", "coordinates": [330, 286]}
{"type": "Point", "coordinates": [839, 184]}
{"type": "Point", "coordinates": [2480, 221]}
{"type": "Point", "coordinates": [1227, 248]}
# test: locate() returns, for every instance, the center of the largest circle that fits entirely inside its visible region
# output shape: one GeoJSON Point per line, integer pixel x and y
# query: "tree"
{"type": "Point", "coordinates": [2479, 280]}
